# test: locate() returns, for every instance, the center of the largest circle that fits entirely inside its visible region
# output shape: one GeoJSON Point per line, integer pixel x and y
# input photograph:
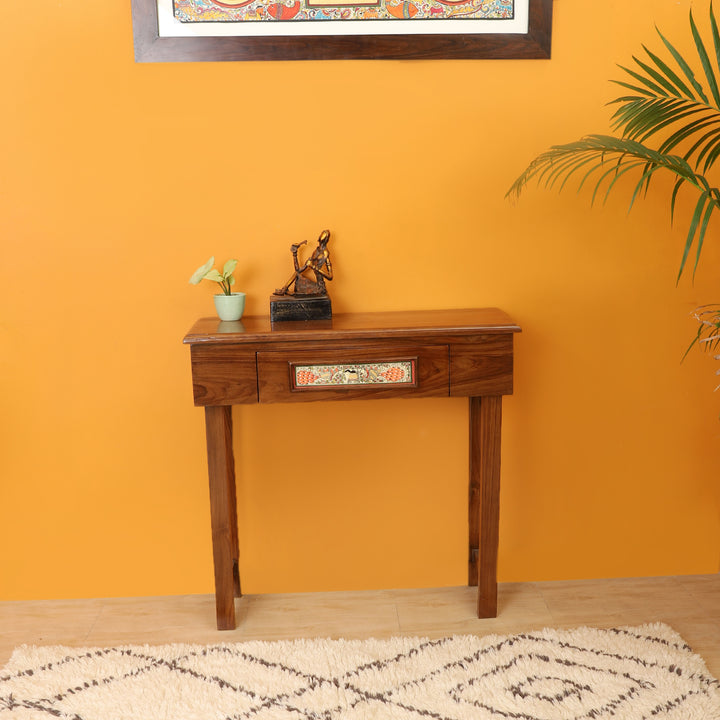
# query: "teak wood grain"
{"type": "Point", "coordinates": [223, 512]}
{"type": "Point", "coordinates": [485, 425]}
{"type": "Point", "coordinates": [274, 381]}
{"type": "Point", "coordinates": [466, 353]}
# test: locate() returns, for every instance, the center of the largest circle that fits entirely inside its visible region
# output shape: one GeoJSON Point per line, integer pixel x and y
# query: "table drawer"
{"type": "Point", "coordinates": [352, 373]}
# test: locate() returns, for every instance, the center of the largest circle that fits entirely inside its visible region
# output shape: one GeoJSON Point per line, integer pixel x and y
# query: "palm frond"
{"type": "Point", "coordinates": [663, 98]}
{"type": "Point", "coordinates": [568, 158]}
{"type": "Point", "coordinates": [663, 103]}
{"type": "Point", "coordinates": [604, 160]}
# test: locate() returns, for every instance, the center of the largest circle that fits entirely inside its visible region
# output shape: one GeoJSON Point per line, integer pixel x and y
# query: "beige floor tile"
{"type": "Point", "coordinates": [625, 601]}
{"type": "Point", "coordinates": [186, 618]}
{"type": "Point", "coordinates": [319, 615]}
{"type": "Point", "coordinates": [45, 622]}
{"type": "Point", "coordinates": [435, 606]}
{"type": "Point", "coordinates": [455, 609]}
{"type": "Point", "coordinates": [703, 592]}
{"type": "Point", "coordinates": [710, 583]}
{"type": "Point", "coordinates": [155, 613]}
{"type": "Point", "coordinates": [65, 612]}
{"type": "Point", "coordinates": [522, 601]}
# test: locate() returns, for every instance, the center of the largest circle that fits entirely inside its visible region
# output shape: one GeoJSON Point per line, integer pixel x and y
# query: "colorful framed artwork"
{"type": "Point", "coordinates": [212, 30]}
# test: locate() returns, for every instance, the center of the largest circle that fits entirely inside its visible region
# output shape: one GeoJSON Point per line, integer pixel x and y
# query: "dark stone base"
{"type": "Point", "coordinates": [291, 307]}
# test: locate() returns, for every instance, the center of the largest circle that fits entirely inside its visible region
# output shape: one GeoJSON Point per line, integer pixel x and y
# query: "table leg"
{"type": "Point", "coordinates": [484, 500]}
{"type": "Point", "coordinates": [223, 512]}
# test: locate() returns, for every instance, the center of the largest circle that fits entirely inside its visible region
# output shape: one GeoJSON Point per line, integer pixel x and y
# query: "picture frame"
{"type": "Point", "coordinates": [535, 43]}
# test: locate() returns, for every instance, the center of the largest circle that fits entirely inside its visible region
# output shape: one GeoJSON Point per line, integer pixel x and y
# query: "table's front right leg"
{"type": "Point", "coordinates": [485, 426]}
{"type": "Point", "coordinates": [223, 512]}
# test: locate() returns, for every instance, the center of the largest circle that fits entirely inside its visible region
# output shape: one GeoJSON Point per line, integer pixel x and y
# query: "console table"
{"type": "Point", "coordinates": [442, 353]}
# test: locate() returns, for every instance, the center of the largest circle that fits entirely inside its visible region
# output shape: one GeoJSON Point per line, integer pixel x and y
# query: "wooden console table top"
{"type": "Point", "coordinates": [412, 323]}
{"type": "Point", "coordinates": [437, 353]}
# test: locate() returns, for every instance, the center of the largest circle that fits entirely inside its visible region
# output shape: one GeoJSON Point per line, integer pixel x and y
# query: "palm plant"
{"type": "Point", "coordinates": [667, 120]}
{"type": "Point", "coordinates": [708, 334]}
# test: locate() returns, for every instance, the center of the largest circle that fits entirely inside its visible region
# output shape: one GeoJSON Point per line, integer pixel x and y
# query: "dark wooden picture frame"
{"type": "Point", "coordinates": [151, 47]}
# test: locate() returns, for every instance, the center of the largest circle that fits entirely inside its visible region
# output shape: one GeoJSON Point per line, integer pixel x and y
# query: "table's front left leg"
{"type": "Point", "coordinates": [223, 512]}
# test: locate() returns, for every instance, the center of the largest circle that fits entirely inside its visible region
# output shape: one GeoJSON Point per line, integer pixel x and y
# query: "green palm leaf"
{"type": "Point", "coordinates": [664, 103]}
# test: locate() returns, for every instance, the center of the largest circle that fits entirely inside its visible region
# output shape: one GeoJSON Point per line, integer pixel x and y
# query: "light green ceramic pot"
{"type": "Point", "coordinates": [230, 307]}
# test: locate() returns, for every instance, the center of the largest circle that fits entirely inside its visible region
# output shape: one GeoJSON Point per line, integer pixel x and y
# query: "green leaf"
{"type": "Point", "coordinates": [214, 275]}
{"type": "Point", "coordinates": [705, 61]}
{"type": "Point", "coordinates": [641, 118]}
{"type": "Point", "coordinates": [682, 88]}
{"type": "Point", "coordinates": [715, 34]}
{"type": "Point", "coordinates": [229, 267]}
{"type": "Point", "coordinates": [694, 222]}
{"type": "Point", "coordinates": [643, 182]}
{"type": "Point", "coordinates": [578, 165]}
{"type": "Point", "coordinates": [709, 152]}
{"type": "Point", "coordinates": [634, 88]}
{"type": "Point", "coordinates": [654, 88]}
{"type": "Point", "coordinates": [701, 234]}
{"type": "Point", "coordinates": [659, 78]}
{"type": "Point", "coordinates": [689, 130]}
{"type": "Point", "coordinates": [666, 119]}
{"type": "Point", "coordinates": [673, 198]}
{"type": "Point", "coordinates": [201, 272]}
{"type": "Point", "coordinates": [689, 74]}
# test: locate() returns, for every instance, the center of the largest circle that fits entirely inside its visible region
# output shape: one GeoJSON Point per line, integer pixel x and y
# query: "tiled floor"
{"type": "Point", "coordinates": [689, 604]}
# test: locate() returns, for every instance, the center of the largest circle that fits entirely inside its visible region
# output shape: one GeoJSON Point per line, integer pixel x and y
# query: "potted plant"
{"type": "Point", "coordinates": [229, 305]}
{"type": "Point", "coordinates": [667, 120]}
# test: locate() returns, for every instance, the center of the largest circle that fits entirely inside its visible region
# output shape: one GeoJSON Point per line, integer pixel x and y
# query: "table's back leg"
{"type": "Point", "coordinates": [484, 496]}
{"type": "Point", "coordinates": [223, 512]}
{"type": "Point", "coordinates": [234, 540]}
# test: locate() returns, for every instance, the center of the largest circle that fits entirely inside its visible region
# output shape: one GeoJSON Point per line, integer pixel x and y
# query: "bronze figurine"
{"type": "Point", "coordinates": [318, 266]}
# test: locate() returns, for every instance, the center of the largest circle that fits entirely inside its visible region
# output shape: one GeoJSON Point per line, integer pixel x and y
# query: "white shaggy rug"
{"type": "Point", "coordinates": [637, 673]}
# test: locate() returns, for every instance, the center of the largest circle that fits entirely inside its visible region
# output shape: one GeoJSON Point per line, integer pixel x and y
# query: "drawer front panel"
{"type": "Point", "coordinates": [345, 373]}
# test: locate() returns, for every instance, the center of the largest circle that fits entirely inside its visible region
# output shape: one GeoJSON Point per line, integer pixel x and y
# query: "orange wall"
{"type": "Point", "coordinates": [120, 179]}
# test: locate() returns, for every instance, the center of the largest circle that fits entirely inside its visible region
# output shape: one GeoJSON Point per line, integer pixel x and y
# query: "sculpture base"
{"type": "Point", "coordinates": [292, 307]}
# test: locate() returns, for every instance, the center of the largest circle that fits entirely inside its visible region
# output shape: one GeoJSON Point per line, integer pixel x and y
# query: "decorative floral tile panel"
{"type": "Point", "coordinates": [399, 372]}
